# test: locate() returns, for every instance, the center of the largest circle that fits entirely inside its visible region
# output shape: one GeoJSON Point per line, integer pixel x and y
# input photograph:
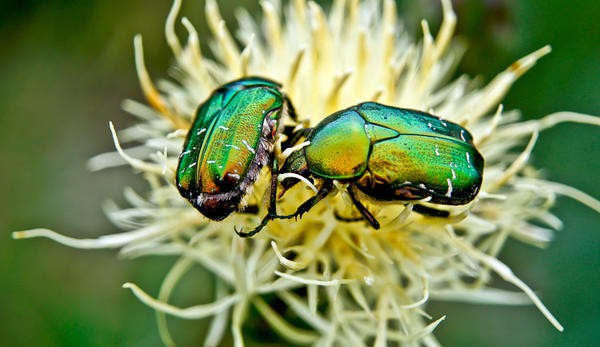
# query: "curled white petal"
{"type": "Point", "coordinates": [194, 312]}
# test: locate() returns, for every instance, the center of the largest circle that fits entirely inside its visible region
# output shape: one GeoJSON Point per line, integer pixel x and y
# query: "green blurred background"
{"type": "Point", "coordinates": [65, 67]}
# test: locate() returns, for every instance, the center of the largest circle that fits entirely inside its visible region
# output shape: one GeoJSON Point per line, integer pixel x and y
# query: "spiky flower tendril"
{"type": "Point", "coordinates": [343, 283]}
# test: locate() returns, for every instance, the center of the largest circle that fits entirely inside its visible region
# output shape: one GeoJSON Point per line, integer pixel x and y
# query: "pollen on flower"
{"type": "Point", "coordinates": [348, 283]}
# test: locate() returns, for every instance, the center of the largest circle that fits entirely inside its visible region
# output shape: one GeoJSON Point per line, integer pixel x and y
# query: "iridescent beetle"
{"type": "Point", "coordinates": [388, 154]}
{"type": "Point", "coordinates": [229, 142]}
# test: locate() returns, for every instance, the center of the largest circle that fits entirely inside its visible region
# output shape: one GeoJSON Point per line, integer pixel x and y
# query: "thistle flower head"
{"type": "Point", "coordinates": [343, 282]}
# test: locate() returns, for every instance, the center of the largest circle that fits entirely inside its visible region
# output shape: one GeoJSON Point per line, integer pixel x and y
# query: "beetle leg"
{"type": "Point", "coordinates": [272, 210]}
{"type": "Point", "coordinates": [325, 189]}
{"type": "Point", "coordinates": [266, 219]}
{"type": "Point", "coordinates": [363, 210]}
{"type": "Point", "coordinates": [338, 216]}
{"type": "Point", "coordinates": [430, 211]}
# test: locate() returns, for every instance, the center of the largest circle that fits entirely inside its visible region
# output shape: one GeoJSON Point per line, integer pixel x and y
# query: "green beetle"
{"type": "Point", "coordinates": [229, 142]}
{"type": "Point", "coordinates": [389, 154]}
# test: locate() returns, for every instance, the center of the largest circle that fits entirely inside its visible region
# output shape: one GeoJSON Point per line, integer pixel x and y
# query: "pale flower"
{"type": "Point", "coordinates": [348, 284]}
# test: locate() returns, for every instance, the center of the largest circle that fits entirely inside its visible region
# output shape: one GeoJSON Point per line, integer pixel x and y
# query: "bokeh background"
{"type": "Point", "coordinates": [65, 67]}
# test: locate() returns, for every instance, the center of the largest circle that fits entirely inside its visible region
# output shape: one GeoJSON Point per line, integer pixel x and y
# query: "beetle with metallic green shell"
{"type": "Point", "coordinates": [388, 154]}
{"type": "Point", "coordinates": [231, 139]}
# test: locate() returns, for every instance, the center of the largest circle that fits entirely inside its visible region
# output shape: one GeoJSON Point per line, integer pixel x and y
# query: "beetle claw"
{"type": "Point", "coordinates": [269, 217]}
{"type": "Point", "coordinates": [240, 232]}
